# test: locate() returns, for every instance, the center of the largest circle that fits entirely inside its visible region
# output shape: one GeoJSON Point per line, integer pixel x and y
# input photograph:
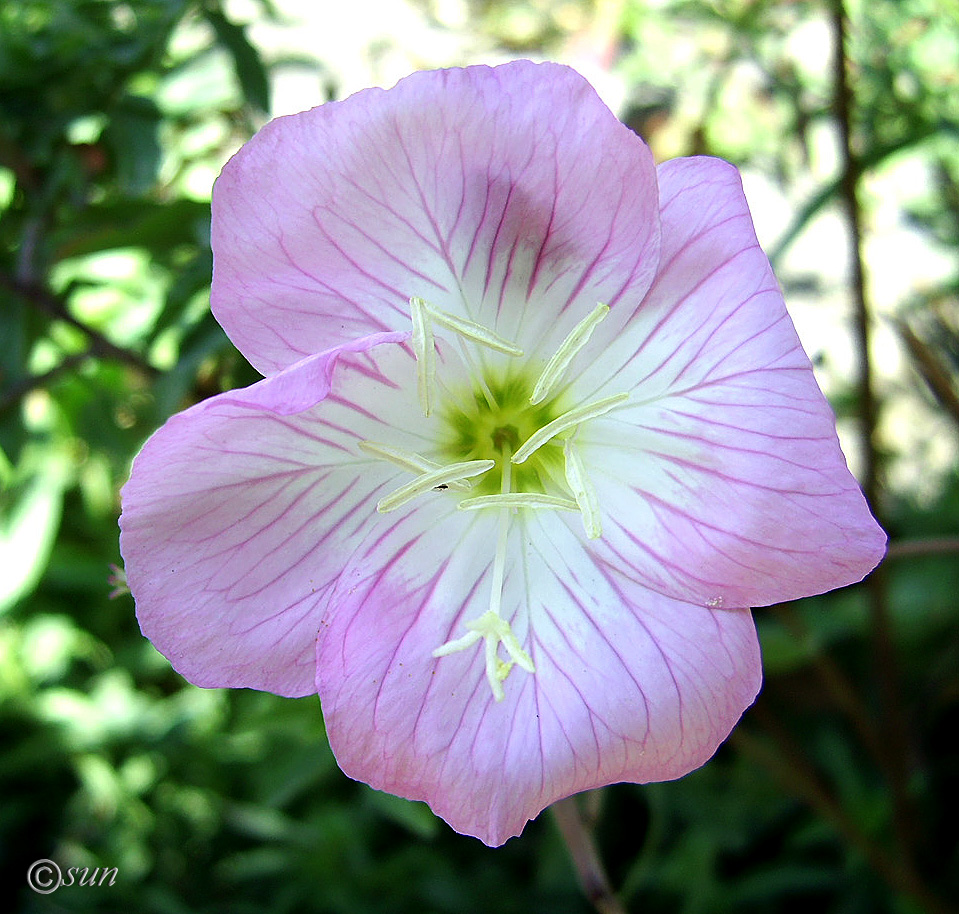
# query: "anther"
{"type": "Point", "coordinates": [424, 349]}
{"type": "Point", "coordinates": [582, 489]}
{"type": "Point", "coordinates": [473, 331]}
{"type": "Point", "coordinates": [427, 481]}
{"type": "Point", "coordinates": [567, 421]}
{"type": "Point", "coordinates": [556, 367]}
{"type": "Point", "coordinates": [408, 460]}
{"type": "Point", "coordinates": [518, 500]}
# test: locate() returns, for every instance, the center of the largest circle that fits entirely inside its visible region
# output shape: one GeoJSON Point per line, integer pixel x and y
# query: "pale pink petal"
{"type": "Point", "coordinates": [629, 685]}
{"type": "Point", "coordinates": [241, 512]}
{"type": "Point", "coordinates": [722, 482]}
{"type": "Point", "coordinates": [504, 195]}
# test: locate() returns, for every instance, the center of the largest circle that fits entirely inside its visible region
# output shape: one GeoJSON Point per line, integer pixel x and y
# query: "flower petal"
{"type": "Point", "coordinates": [722, 478]}
{"type": "Point", "coordinates": [473, 189]}
{"type": "Point", "coordinates": [629, 684]}
{"type": "Point", "coordinates": [241, 512]}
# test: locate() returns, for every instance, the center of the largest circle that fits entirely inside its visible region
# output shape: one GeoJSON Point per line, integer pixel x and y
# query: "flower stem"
{"type": "Point", "coordinates": [585, 856]}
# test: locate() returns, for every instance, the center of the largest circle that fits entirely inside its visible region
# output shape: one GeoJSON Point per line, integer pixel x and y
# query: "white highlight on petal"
{"type": "Point", "coordinates": [582, 489]}
{"type": "Point", "coordinates": [424, 348]}
{"type": "Point", "coordinates": [423, 483]}
{"type": "Point", "coordinates": [519, 500]}
{"type": "Point", "coordinates": [409, 460]}
{"type": "Point", "coordinates": [494, 629]}
{"type": "Point", "coordinates": [568, 420]}
{"type": "Point", "coordinates": [556, 367]}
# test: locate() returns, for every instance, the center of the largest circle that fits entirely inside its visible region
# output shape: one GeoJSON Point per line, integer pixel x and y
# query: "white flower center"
{"type": "Point", "coordinates": [514, 424]}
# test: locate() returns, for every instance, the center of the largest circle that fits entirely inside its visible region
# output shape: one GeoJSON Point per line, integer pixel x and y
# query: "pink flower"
{"type": "Point", "coordinates": [535, 434]}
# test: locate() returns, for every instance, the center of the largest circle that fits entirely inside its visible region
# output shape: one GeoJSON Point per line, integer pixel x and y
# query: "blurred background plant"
{"type": "Point", "coordinates": [838, 791]}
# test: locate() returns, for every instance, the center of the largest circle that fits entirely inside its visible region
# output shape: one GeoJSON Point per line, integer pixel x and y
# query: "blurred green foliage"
{"type": "Point", "coordinates": [114, 117]}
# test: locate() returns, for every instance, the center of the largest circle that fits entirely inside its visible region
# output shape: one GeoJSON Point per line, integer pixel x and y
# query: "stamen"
{"type": "Point", "coordinates": [426, 481]}
{"type": "Point", "coordinates": [494, 629]}
{"type": "Point", "coordinates": [477, 374]}
{"type": "Point", "coordinates": [408, 460]}
{"type": "Point", "coordinates": [424, 349]}
{"type": "Point", "coordinates": [518, 500]}
{"type": "Point", "coordinates": [458, 644]}
{"type": "Point", "coordinates": [473, 331]}
{"type": "Point", "coordinates": [582, 489]}
{"type": "Point", "coordinates": [568, 420]}
{"type": "Point", "coordinates": [555, 368]}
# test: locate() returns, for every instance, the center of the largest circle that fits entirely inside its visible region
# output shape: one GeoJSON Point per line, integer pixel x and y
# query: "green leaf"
{"type": "Point", "coordinates": [28, 527]}
{"type": "Point", "coordinates": [193, 277]}
{"type": "Point", "coordinates": [246, 60]}
{"type": "Point", "coordinates": [133, 138]}
{"type": "Point", "coordinates": [158, 227]}
{"type": "Point", "coordinates": [415, 818]}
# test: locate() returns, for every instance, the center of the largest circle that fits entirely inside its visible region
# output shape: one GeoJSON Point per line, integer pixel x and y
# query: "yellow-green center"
{"type": "Point", "coordinates": [488, 424]}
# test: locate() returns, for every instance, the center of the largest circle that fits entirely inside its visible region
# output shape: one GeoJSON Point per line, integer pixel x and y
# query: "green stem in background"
{"type": "Point", "coordinates": [585, 856]}
{"type": "Point", "coordinates": [892, 727]}
{"type": "Point", "coordinates": [934, 545]}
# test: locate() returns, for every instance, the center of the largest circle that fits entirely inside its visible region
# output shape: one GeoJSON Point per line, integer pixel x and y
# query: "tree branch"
{"type": "Point", "coordinates": [893, 747]}
{"type": "Point", "coordinates": [44, 301]}
{"type": "Point", "coordinates": [18, 391]}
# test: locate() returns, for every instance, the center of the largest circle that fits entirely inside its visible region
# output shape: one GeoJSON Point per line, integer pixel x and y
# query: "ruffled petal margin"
{"type": "Point", "coordinates": [241, 512]}
{"type": "Point", "coordinates": [502, 195]}
{"type": "Point", "coordinates": [629, 685]}
{"type": "Point", "coordinates": [722, 482]}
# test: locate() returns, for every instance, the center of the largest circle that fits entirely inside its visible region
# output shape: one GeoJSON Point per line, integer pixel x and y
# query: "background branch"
{"type": "Point", "coordinates": [933, 372]}
{"type": "Point", "coordinates": [17, 391]}
{"type": "Point", "coordinates": [892, 747]}
{"type": "Point", "coordinates": [46, 302]}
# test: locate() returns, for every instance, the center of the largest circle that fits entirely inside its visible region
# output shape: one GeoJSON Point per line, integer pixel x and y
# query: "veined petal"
{"type": "Point", "coordinates": [241, 512]}
{"type": "Point", "coordinates": [628, 684]}
{"type": "Point", "coordinates": [723, 476]}
{"type": "Point", "coordinates": [506, 196]}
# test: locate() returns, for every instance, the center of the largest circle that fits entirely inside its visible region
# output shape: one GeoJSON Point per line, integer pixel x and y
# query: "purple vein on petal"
{"type": "Point", "coordinates": [441, 238]}
{"type": "Point", "coordinates": [681, 574]}
{"type": "Point", "coordinates": [424, 278]}
{"type": "Point", "coordinates": [433, 244]}
{"type": "Point", "coordinates": [654, 641]}
{"type": "Point", "coordinates": [547, 234]}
